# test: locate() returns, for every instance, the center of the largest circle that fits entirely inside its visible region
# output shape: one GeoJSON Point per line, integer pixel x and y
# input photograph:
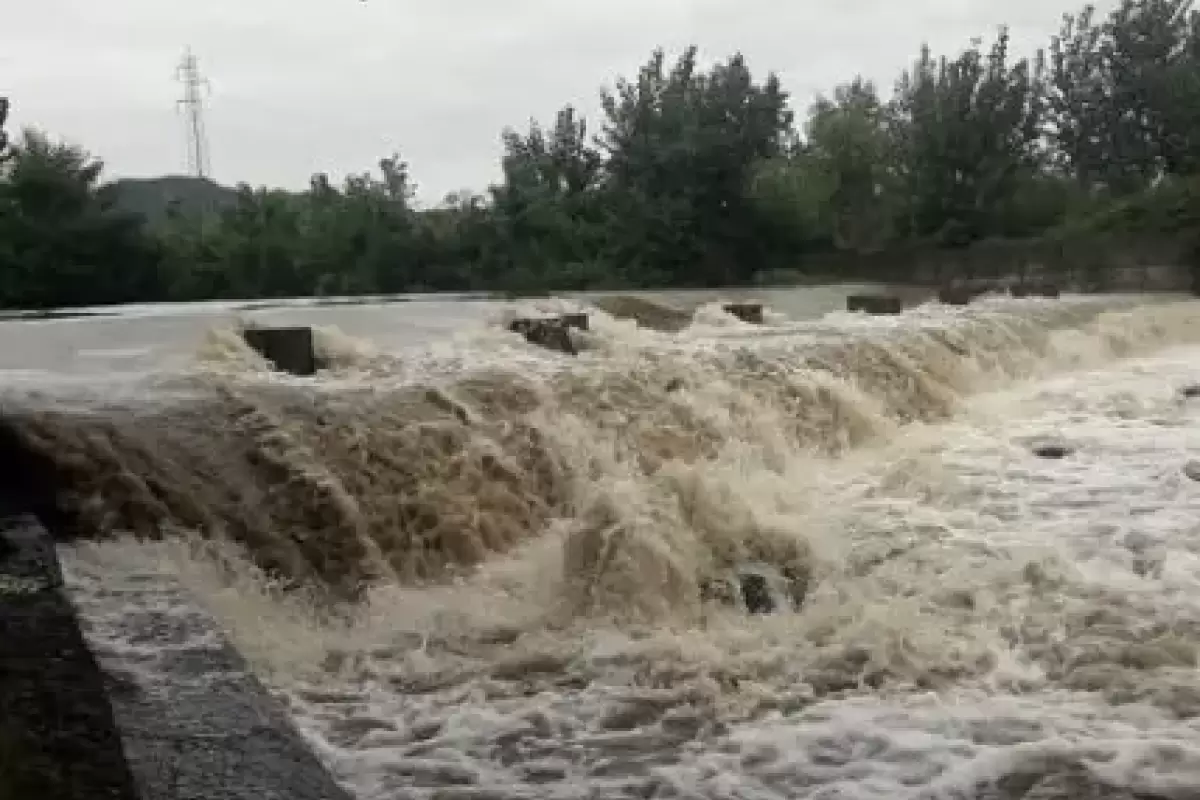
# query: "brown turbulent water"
{"type": "Point", "coordinates": [540, 533]}
{"type": "Point", "coordinates": [348, 486]}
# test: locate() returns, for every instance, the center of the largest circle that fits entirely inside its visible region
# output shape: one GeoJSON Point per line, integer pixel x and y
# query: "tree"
{"type": "Point", "coordinates": [848, 143]}
{"type": "Point", "coordinates": [1078, 97]}
{"type": "Point", "coordinates": [682, 147]}
{"type": "Point", "coordinates": [791, 195]}
{"type": "Point", "coordinates": [545, 209]}
{"type": "Point", "coordinates": [1125, 99]}
{"type": "Point", "coordinates": [969, 130]}
{"type": "Point", "coordinates": [698, 176]}
{"type": "Point", "coordinates": [64, 242]}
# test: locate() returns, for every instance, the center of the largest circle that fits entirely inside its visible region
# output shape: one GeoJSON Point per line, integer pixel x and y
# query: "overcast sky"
{"type": "Point", "coordinates": [301, 86]}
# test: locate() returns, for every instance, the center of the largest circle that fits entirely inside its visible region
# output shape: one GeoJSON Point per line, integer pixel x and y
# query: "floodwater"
{"type": "Point", "coordinates": [955, 616]}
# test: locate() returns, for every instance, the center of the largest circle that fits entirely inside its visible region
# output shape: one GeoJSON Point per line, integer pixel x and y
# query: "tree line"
{"type": "Point", "coordinates": [691, 176]}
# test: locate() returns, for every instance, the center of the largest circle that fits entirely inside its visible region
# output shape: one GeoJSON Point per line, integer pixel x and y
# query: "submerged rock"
{"type": "Point", "coordinates": [718, 590]}
{"type": "Point", "coordinates": [798, 580]}
{"type": "Point", "coordinates": [1192, 470]}
{"type": "Point", "coordinates": [756, 593]}
{"type": "Point", "coordinates": [1052, 450]}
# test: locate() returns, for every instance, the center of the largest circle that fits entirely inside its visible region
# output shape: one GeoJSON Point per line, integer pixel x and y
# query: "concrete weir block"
{"type": "Point", "coordinates": [578, 321]}
{"type": "Point", "coordinates": [289, 349]}
{"type": "Point", "coordinates": [956, 295]}
{"type": "Point", "coordinates": [1047, 290]}
{"type": "Point", "coordinates": [552, 333]}
{"type": "Point", "coordinates": [746, 312]}
{"type": "Point", "coordinates": [874, 303]}
{"type": "Point", "coordinates": [58, 736]}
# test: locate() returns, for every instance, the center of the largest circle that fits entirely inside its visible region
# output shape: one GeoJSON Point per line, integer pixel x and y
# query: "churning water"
{"type": "Point", "coordinates": [492, 568]}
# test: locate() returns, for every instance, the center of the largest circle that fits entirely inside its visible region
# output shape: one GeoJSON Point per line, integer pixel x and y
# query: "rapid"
{"type": "Point", "coordinates": [476, 569]}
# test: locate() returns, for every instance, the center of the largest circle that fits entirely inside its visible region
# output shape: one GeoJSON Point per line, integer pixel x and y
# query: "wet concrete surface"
{"type": "Point", "coordinates": [58, 738]}
{"type": "Point", "coordinates": [195, 723]}
{"type": "Point", "coordinates": [124, 690]}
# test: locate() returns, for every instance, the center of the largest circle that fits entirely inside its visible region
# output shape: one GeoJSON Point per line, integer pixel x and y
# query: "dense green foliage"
{"type": "Point", "coordinates": [693, 176]}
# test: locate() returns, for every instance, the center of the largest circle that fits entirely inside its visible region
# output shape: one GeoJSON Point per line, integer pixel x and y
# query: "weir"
{"type": "Point", "coordinates": [372, 482]}
{"type": "Point", "coordinates": [632, 455]}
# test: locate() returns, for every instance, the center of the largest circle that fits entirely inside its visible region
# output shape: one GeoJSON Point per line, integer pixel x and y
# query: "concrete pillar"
{"type": "Point", "coordinates": [289, 349]}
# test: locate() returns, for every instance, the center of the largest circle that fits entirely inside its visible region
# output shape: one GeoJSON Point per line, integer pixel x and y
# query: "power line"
{"type": "Point", "coordinates": [188, 73]}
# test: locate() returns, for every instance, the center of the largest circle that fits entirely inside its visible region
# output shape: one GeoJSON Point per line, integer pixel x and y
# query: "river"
{"type": "Point", "coordinates": [541, 536]}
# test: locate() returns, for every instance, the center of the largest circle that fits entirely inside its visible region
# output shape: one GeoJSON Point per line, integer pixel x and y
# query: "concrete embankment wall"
{"type": "Point", "coordinates": [194, 722]}
{"type": "Point", "coordinates": [58, 738]}
{"type": "Point", "coordinates": [152, 704]}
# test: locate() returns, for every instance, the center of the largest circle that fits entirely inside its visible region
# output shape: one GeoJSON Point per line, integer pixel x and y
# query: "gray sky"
{"type": "Point", "coordinates": [301, 86]}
